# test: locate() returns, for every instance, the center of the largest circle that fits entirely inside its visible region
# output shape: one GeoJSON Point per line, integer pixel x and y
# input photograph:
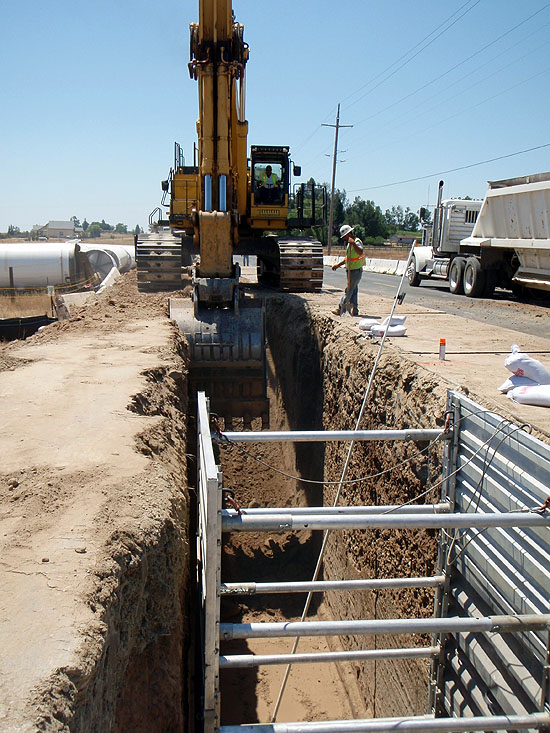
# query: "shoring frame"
{"type": "Point", "coordinates": [209, 543]}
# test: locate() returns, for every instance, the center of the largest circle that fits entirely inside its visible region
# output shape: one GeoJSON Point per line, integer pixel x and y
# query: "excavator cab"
{"type": "Point", "coordinates": [269, 185]}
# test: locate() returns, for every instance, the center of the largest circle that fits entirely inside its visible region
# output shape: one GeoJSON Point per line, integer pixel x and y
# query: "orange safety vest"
{"type": "Point", "coordinates": [353, 263]}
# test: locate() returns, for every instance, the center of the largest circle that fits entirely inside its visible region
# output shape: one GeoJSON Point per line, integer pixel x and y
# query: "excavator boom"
{"type": "Point", "coordinates": [222, 205]}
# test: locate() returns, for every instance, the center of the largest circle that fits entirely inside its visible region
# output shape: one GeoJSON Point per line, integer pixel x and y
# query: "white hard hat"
{"type": "Point", "coordinates": [345, 229]}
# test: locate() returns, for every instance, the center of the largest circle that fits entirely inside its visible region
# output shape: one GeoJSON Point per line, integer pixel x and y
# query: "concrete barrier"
{"type": "Point", "coordinates": [384, 267]}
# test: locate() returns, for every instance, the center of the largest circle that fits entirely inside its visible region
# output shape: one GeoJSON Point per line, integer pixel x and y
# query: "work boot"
{"type": "Point", "coordinates": [336, 312]}
{"type": "Point", "coordinates": [355, 312]}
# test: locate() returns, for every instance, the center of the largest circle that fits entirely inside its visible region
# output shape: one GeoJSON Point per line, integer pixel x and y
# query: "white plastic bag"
{"type": "Point", "coordinates": [515, 381]}
{"type": "Point", "coordinates": [392, 330]}
{"type": "Point", "coordinates": [539, 395]}
{"type": "Point", "coordinates": [523, 365]}
{"type": "Point", "coordinates": [367, 324]}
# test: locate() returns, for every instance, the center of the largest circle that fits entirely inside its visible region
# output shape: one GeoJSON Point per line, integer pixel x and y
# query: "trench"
{"type": "Point", "coordinates": [316, 381]}
{"type": "Point", "coordinates": [317, 376]}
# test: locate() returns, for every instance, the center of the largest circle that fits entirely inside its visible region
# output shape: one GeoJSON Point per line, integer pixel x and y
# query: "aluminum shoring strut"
{"type": "Point", "coordinates": [233, 661]}
{"type": "Point", "coordinates": [443, 506]}
{"type": "Point", "coordinates": [373, 627]}
{"type": "Point", "coordinates": [246, 588]}
{"type": "Point", "coordinates": [319, 436]}
{"type": "Point", "coordinates": [421, 724]}
{"type": "Point", "coordinates": [286, 521]}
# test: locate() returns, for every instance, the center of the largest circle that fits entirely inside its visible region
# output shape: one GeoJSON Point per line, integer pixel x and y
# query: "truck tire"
{"type": "Point", "coordinates": [474, 278]}
{"type": "Point", "coordinates": [412, 274]}
{"type": "Point", "coordinates": [456, 276]}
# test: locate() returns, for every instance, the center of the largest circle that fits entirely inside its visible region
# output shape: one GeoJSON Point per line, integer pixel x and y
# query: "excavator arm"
{"type": "Point", "coordinates": [218, 59]}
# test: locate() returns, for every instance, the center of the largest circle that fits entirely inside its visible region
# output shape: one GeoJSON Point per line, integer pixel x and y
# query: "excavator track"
{"type": "Point", "coordinates": [301, 263]}
{"type": "Point", "coordinates": [159, 262]}
{"type": "Point", "coordinates": [295, 265]}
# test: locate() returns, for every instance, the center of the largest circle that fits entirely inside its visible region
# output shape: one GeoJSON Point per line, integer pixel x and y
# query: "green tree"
{"type": "Point", "coordinates": [410, 221]}
{"type": "Point", "coordinates": [75, 221]}
{"type": "Point", "coordinates": [367, 218]}
{"type": "Point", "coordinates": [121, 228]}
{"type": "Point", "coordinates": [94, 229]}
{"type": "Point", "coordinates": [13, 231]}
{"type": "Point", "coordinates": [85, 225]}
{"type": "Point", "coordinates": [105, 227]}
{"type": "Point", "coordinates": [137, 229]}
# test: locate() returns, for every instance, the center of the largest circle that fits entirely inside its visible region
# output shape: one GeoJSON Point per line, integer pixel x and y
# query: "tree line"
{"type": "Point", "coordinates": [91, 230]}
{"type": "Point", "coordinates": [372, 224]}
{"type": "Point", "coordinates": [97, 228]}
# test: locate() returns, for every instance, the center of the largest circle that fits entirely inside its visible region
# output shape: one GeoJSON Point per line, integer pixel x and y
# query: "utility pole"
{"type": "Point", "coordinates": [337, 126]}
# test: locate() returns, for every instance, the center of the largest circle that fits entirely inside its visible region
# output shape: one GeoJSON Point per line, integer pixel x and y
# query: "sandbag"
{"type": "Point", "coordinates": [392, 330]}
{"type": "Point", "coordinates": [365, 324]}
{"type": "Point", "coordinates": [523, 365]}
{"type": "Point", "coordinates": [515, 381]}
{"type": "Point", "coordinates": [539, 395]}
{"type": "Point", "coordinates": [395, 320]}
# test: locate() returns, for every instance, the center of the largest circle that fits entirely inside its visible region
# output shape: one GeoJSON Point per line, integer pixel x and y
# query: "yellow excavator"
{"type": "Point", "coordinates": [227, 204]}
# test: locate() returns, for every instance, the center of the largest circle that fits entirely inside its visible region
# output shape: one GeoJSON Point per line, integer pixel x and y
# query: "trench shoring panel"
{"type": "Point", "coordinates": [501, 468]}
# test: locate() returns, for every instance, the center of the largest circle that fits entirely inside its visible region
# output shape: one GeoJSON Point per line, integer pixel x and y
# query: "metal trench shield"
{"type": "Point", "coordinates": [227, 351]}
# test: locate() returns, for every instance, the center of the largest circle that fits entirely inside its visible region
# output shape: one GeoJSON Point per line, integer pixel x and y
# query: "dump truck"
{"type": "Point", "coordinates": [502, 241]}
{"type": "Point", "coordinates": [229, 202]}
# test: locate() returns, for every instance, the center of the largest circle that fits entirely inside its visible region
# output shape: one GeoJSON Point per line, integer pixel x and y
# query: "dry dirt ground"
{"type": "Point", "coordinates": [91, 475]}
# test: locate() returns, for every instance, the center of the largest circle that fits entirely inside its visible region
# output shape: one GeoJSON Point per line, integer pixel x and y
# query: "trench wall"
{"type": "Point", "coordinates": [137, 664]}
{"type": "Point", "coordinates": [322, 387]}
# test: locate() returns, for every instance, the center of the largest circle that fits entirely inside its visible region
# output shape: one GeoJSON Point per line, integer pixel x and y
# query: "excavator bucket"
{"type": "Point", "coordinates": [227, 356]}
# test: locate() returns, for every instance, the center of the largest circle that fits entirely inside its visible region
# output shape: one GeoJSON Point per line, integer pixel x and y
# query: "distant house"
{"type": "Point", "coordinates": [401, 239]}
{"type": "Point", "coordinates": [59, 230]}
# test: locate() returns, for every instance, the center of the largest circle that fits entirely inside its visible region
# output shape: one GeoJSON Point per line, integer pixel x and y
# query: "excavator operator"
{"type": "Point", "coordinates": [270, 191]}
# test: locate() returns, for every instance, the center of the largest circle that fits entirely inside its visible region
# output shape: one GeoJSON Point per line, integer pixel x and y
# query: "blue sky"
{"type": "Point", "coordinates": [95, 94]}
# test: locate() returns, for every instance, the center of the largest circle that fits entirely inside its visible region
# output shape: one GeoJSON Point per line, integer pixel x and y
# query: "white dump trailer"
{"type": "Point", "coordinates": [507, 245]}
{"type": "Point", "coordinates": [38, 264]}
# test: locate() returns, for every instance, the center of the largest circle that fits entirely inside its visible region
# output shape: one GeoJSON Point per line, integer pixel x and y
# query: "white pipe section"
{"type": "Point", "coordinates": [37, 264]}
{"type": "Point", "coordinates": [310, 436]}
{"type": "Point", "coordinates": [307, 586]}
{"type": "Point", "coordinates": [233, 661]}
{"type": "Point", "coordinates": [338, 510]}
{"type": "Point", "coordinates": [372, 627]}
{"type": "Point", "coordinates": [287, 521]}
{"type": "Point", "coordinates": [422, 724]}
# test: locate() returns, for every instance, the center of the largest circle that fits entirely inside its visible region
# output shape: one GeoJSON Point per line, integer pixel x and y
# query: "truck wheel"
{"type": "Point", "coordinates": [412, 274]}
{"type": "Point", "coordinates": [456, 276]}
{"type": "Point", "coordinates": [474, 278]}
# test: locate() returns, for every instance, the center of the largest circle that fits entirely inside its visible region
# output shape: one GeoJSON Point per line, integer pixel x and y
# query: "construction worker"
{"type": "Point", "coordinates": [269, 185]}
{"type": "Point", "coordinates": [354, 262]}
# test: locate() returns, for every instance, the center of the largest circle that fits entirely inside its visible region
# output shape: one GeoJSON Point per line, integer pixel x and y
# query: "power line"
{"type": "Point", "coordinates": [456, 66]}
{"type": "Point", "coordinates": [464, 110]}
{"type": "Point", "coordinates": [452, 170]}
{"type": "Point", "coordinates": [418, 52]}
{"type": "Point", "coordinates": [316, 130]}
{"type": "Point", "coordinates": [443, 101]}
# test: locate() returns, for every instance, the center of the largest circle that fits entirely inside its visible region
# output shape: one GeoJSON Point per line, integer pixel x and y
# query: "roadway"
{"type": "Point", "coordinates": [503, 310]}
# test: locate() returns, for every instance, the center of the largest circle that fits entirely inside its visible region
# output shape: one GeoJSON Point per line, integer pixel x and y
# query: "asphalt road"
{"type": "Point", "coordinates": [504, 310]}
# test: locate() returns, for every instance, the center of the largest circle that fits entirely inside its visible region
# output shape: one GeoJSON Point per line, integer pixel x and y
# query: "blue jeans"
{"type": "Point", "coordinates": [349, 299]}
